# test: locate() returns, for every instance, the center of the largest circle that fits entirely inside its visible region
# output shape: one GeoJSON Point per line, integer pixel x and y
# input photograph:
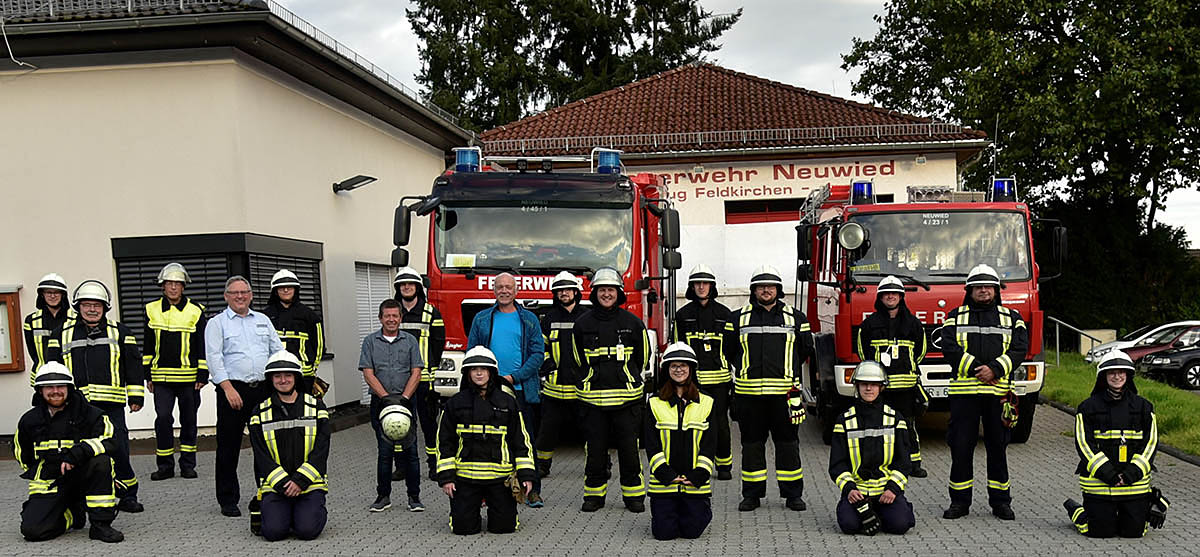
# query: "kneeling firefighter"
{"type": "Point", "coordinates": [869, 460]}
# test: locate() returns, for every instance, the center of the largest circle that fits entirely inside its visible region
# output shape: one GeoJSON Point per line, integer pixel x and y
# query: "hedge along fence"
{"type": "Point", "coordinates": [1178, 411]}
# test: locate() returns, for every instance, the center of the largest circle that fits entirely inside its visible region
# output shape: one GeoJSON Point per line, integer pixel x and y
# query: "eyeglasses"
{"type": "Point", "coordinates": [238, 292]}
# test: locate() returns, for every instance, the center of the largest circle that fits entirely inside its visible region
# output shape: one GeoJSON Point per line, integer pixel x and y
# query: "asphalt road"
{"type": "Point", "coordinates": [182, 517]}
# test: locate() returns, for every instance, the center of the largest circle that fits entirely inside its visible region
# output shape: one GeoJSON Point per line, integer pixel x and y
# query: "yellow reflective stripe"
{"type": "Point", "coordinates": [789, 475]}
{"type": "Point", "coordinates": [1002, 486]}
{"type": "Point", "coordinates": [1094, 459]}
{"type": "Point", "coordinates": [961, 486]}
{"type": "Point", "coordinates": [1142, 459]}
{"type": "Point", "coordinates": [1117, 434]}
{"type": "Point", "coordinates": [754, 475]}
{"type": "Point", "coordinates": [481, 429]}
{"type": "Point", "coordinates": [1093, 486]}
{"type": "Point", "coordinates": [595, 491]}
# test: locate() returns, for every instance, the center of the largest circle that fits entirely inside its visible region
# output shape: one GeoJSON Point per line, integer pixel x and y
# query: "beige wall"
{"type": "Point", "coordinates": [227, 146]}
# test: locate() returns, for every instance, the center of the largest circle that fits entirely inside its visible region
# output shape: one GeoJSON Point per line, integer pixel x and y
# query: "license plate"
{"type": "Point", "coordinates": [445, 382]}
{"type": "Point", "coordinates": [937, 392]}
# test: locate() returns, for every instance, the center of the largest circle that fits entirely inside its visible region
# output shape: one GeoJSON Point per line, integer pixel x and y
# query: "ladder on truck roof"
{"type": "Point", "coordinates": [822, 198]}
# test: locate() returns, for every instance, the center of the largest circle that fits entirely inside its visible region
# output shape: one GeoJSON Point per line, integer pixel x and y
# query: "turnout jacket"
{"type": "Point", "coordinates": [1115, 436]}
{"type": "Point", "coordinates": [482, 438]}
{"type": "Point", "coordinates": [774, 345]}
{"type": "Point", "coordinates": [173, 343]}
{"type": "Point", "coordinates": [991, 335]}
{"type": "Point", "coordinates": [425, 324]}
{"type": "Point", "coordinates": [104, 360]}
{"type": "Point", "coordinates": [708, 329]}
{"type": "Point", "coordinates": [679, 442]}
{"type": "Point", "coordinates": [610, 347]}
{"type": "Point", "coordinates": [43, 442]}
{"type": "Point", "coordinates": [902, 338]}
{"type": "Point", "coordinates": [39, 328]}
{"type": "Point", "coordinates": [290, 443]}
{"type": "Point", "coordinates": [560, 373]}
{"type": "Point", "coordinates": [300, 330]}
{"type": "Point", "coordinates": [870, 450]}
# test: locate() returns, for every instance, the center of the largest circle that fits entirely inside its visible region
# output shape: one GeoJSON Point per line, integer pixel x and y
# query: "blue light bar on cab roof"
{"type": "Point", "coordinates": [862, 192]}
{"type": "Point", "coordinates": [1004, 189]}
{"type": "Point", "coordinates": [466, 159]}
{"type": "Point", "coordinates": [608, 161]}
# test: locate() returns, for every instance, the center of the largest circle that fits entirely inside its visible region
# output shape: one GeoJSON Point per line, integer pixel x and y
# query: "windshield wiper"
{"type": "Point", "coordinates": [947, 274]}
{"type": "Point", "coordinates": [484, 268]}
{"type": "Point", "coordinates": [909, 278]}
{"type": "Point", "coordinates": [577, 269]}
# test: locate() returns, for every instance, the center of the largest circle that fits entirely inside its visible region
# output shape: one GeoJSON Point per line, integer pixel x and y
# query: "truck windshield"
{"type": "Point", "coordinates": [543, 236]}
{"type": "Point", "coordinates": [943, 246]}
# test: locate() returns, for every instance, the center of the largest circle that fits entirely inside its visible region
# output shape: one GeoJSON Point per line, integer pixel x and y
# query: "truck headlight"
{"type": "Point", "coordinates": [447, 364]}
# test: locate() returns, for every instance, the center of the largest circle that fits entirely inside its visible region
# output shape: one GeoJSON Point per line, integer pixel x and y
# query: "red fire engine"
{"type": "Point", "coordinates": [847, 243]}
{"type": "Point", "coordinates": [533, 222]}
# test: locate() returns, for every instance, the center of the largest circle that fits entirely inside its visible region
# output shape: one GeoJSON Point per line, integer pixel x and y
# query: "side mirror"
{"type": "Point", "coordinates": [1060, 244]}
{"type": "Point", "coordinates": [804, 272]}
{"type": "Point", "coordinates": [401, 225]}
{"type": "Point", "coordinates": [1177, 344]}
{"type": "Point", "coordinates": [672, 260]}
{"type": "Point", "coordinates": [803, 246]}
{"type": "Point", "coordinates": [669, 237]}
{"type": "Point", "coordinates": [652, 297]}
{"type": "Point", "coordinates": [399, 257]}
{"type": "Point", "coordinates": [641, 284]}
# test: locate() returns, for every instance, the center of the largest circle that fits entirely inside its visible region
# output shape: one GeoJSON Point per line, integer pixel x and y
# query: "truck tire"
{"type": "Point", "coordinates": [1026, 406]}
{"type": "Point", "coordinates": [821, 383]}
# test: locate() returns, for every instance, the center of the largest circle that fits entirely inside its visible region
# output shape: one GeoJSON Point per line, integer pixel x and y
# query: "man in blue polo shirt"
{"type": "Point", "coordinates": [513, 334]}
{"type": "Point", "coordinates": [391, 364]}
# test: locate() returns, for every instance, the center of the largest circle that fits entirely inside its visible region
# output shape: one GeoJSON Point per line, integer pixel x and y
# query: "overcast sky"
{"type": "Point", "coordinates": [792, 41]}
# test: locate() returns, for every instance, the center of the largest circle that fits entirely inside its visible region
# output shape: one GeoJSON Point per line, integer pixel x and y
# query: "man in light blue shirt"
{"type": "Point", "coordinates": [237, 343]}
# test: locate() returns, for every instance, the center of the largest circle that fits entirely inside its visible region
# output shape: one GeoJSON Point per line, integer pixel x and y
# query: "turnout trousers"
{"type": "Point", "coordinates": [904, 401]}
{"type": "Point", "coordinates": [679, 516]}
{"type": "Point", "coordinates": [90, 485]}
{"type": "Point", "coordinates": [760, 416]}
{"type": "Point", "coordinates": [619, 428]}
{"type": "Point", "coordinates": [720, 420]}
{"type": "Point", "coordinates": [120, 457]}
{"type": "Point", "coordinates": [558, 417]}
{"type": "Point", "coordinates": [966, 411]}
{"type": "Point", "coordinates": [303, 515]}
{"type": "Point", "coordinates": [464, 507]}
{"type": "Point", "coordinates": [895, 518]}
{"type": "Point", "coordinates": [1103, 517]}
{"type": "Point", "coordinates": [166, 396]}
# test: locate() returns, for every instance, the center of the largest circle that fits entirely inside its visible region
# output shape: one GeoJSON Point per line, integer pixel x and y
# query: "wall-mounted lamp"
{"type": "Point", "coordinates": [352, 183]}
{"type": "Point", "coordinates": [920, 159]}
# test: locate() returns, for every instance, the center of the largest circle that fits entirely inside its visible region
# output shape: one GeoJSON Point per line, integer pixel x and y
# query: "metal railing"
{"type": "Point", "coordinates": [61, 8]}
{"type": "Point", "coordinates": [825, 133]}
{"type": "Point", "coordinates": [1060, 323]}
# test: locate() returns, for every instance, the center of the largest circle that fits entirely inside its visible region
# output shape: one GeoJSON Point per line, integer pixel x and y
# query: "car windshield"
{"type": "Point", "coordinates": [1162, 337]}
{"type": "Point", "coordinates": [943, 246]}
{"type": "Point", "coordinates": [533, 235]}
{"type": "Point", "coordinates": [1136, 333]}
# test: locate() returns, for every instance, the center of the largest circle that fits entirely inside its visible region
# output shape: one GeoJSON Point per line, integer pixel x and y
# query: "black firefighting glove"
{"type": "Point", "coordinates": [1158, 508]}
{"type": "Point", "coordinates": [870, 522]}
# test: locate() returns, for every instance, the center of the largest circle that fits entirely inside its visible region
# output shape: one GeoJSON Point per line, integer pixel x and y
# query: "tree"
{"type": "Point", "coordinates": [496, 61]}
{"type": "Point", "coordinates": [1096, 105]}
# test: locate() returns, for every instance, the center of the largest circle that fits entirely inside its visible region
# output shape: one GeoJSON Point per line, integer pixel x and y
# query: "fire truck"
{"type": "Point", "coordinates": [847, 243]}
{"type": "Point", "coordinates": [533, 222]}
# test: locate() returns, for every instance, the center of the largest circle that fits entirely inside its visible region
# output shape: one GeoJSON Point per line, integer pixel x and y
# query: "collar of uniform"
{"type": "Point", "coordinates": [166, 305]}
{"type": "Point", "coordinates": [777, 308]}
{"type": "Point", "coordinates": [400, 334]}
{"type": "Point", "coordinates": [230, 314]}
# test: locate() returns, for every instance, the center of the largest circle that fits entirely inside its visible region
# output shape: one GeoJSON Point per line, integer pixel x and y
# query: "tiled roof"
{"type": "Point", "coordinates": [45, 11]}
{"type": "Point", "coordinates": [704, 107]}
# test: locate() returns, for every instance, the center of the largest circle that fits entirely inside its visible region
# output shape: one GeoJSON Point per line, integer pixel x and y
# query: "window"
{"type": "Point", "coordinates": [264, 266]}
{"type": "Point", "coordinates": [12, 338]}
{"type": "Point", "coordinates": [137, 285]}
{"type": "Point", "coordinates": [762, 210]}
{"type": "Point", "coordinates": [372, 285]}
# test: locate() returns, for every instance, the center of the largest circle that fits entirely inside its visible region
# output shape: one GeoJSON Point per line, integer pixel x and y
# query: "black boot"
{"type": "Point", "coordinates": [748, 504]}
{"type": "Point", "coordinates": [724, 473]}
{"type": "Point", "coordinates": [1003, 511]}
{"type": "Point", "coordinates": [956, 511]}
{"type": "Point", "coordinates": [130, 506]}
{"type": "Point", "coordinates": [162, 474]}
{"type": "Point", "coordinates": [543, 468]}
{"type": "Point", "coordinates": [104, 532]}
{"type": "Point", "coordinates": [917, 471]}
{"type": "Point", "coordinates": [796, 504]}
{"type": "Point", "coordinates": [635, 505]}
{"type": "Point", "coordinates": [592, 504]}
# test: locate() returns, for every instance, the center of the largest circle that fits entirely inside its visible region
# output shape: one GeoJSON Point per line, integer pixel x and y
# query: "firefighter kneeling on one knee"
{"type": "Point", "coordinates": [1116, 435]}
{"type": "Point", "coordinates": [869, 459]}
{"type": "Point", "coordinates": [289, 433]}
{"type": "Point", "coordinates": [681, 446]}
{"type": "Point", "coordinates": [481, 442]}
{"type": "Point", "coordinates": [64, 445]}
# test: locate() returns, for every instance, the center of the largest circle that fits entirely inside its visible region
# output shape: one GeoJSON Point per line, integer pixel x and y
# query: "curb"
{"type": "Point", "coordinates": [1173, 451]}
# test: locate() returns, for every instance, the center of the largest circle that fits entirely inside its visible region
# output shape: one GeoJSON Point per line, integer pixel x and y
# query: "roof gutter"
{"type": "Point", "coordinates": [839, 148]}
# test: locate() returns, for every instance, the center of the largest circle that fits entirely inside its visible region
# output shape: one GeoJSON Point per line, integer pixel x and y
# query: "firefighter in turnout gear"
{"type": "Point", "coordinates": [707, 326]}
{"type": "Point", "coordinates": [482, 441]}
{"type": "Point", "coordinates": [423, 321]}
{"type": "Point", "coordinates": [868, 459]}
{"type": "Point", "coordinates": [560, 406]}
{"type": "Point", "coordinates": [103, 357]}
{"type": "Point", "coordinates": [289, 433]}
{"type": "Point", "coordinates": [984, 342]}
{"type": "Point", "coordinates": [680, 446]}
{"type": "Point", "coordinates": [173, 359]}
{"type": "Point", "coordinates": [63, 446]}
{"type": "Point", "coordinates": [610, 348]}
{"type": "Point", "coordinates": [299, 327]}
{"type": "Point", "coordinates": [1116, 435]}
{"type": "Point", "coordinates": [50, 314]}
{"type": "Point", "coordinates": [775, 342]}
{"type": "Point", "coordinates": [895, 338]}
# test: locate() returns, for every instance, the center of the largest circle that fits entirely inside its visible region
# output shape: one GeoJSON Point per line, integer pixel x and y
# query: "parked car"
{"type": "Point", "coordinates": [1157, 343]}
{"type": "Point", "coordinates": [1146, 336]}
{"type": "Point", "coordinates": [1179, 365]}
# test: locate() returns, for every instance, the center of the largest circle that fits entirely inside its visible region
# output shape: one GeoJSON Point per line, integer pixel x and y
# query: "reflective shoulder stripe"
{"type": "Point", "coordinates": [562, 325]}
{"type": "Point", "coordinates": [288, 424]}
{"type": "Point", "coordinates": [767, 330]}
{"type": "Point", "coordinates": [870, 433]}
{"type": "Point", "coordinates": [415, 326]}
{"type": "Point", "coordinates": [89, 342]}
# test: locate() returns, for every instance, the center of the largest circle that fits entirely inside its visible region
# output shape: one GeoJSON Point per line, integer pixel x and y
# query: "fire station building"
{"type": "Point", "coordinates": [739, 154]}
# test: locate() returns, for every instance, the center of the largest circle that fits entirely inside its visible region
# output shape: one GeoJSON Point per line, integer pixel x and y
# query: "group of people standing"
{"type": "Point", "coordinates": [526, 383]}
